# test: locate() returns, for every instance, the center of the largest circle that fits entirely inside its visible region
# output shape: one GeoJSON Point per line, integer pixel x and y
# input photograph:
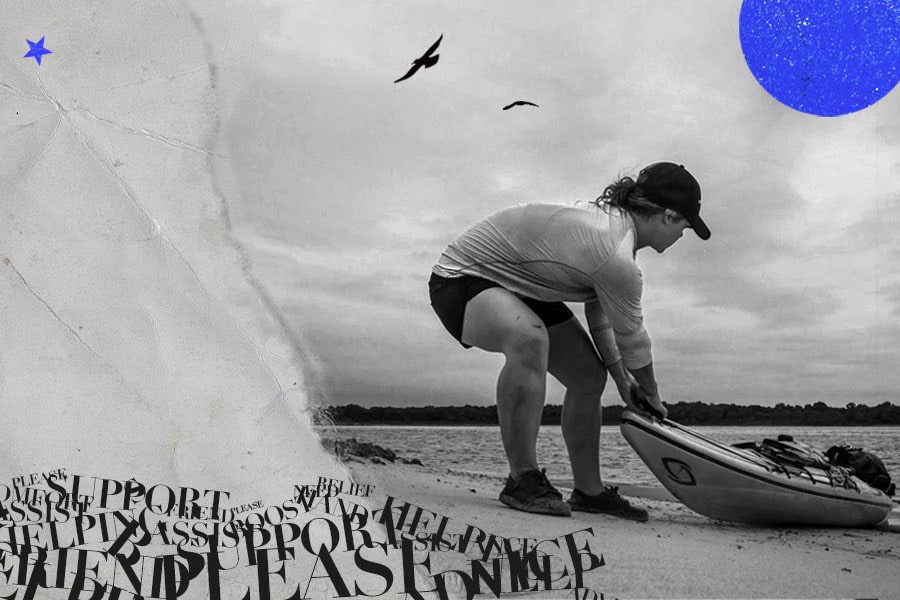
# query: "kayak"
{"type": "Point", "coordinates": [738, 484]}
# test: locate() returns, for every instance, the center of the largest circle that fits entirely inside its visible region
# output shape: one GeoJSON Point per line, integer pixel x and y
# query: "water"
{"type": "Point", "coordinates": [478, 448]}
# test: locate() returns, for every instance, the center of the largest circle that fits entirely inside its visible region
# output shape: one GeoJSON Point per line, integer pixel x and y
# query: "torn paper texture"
{"type": "Point", "coordinates": [135, 341]}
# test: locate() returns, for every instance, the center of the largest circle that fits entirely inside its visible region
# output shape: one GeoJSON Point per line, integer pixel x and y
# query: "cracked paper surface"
{"type": "Point", "coordinates": [134, 339]}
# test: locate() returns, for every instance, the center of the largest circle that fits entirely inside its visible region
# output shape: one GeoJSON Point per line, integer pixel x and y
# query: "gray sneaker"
{"type": "Point", "coordinates": [608, 502]}
{"type": "Point", "coordinates": [534, 493]}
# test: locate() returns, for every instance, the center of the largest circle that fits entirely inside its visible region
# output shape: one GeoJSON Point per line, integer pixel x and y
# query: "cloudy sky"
{"type": "Point", "coordinates": [349, 186]}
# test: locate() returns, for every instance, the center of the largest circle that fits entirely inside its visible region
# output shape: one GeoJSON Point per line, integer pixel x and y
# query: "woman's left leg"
{"type": "Point", "coordinates": [574, 362]}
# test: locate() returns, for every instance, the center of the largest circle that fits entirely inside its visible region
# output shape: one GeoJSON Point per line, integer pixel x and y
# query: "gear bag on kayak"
{"type": "Point", "coordinates": [846, 459]}
{"type": "Point", "coordinates": [864, 465]}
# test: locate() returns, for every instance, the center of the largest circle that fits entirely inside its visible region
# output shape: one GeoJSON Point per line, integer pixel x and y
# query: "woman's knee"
{"type": "Point", "coordinates": [529, 346]}
{"type": "Point", "coordinates": [590, 380]}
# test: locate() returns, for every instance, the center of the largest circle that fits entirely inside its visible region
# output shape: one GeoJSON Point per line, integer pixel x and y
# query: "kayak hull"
{"type": "Point", "coordinates": [733, 484]}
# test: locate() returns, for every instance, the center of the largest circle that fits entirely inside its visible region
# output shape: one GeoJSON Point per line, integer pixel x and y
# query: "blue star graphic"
{"type": "Point", "coordinates": [37, 50]}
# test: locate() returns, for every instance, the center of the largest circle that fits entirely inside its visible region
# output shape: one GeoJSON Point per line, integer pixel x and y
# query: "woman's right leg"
{"type": "Point", "coordinates": [498, 321]}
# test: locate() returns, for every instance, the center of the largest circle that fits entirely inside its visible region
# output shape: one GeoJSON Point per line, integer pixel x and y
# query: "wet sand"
{"type": "Point", "coordinates": [677, 554]}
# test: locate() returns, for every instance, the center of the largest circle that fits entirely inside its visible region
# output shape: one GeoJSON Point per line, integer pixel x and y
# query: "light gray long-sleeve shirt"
{"type": "Point", "coordinates": [557, 252]}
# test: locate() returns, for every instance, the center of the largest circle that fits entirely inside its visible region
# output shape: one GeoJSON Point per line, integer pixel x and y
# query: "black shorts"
{"type": "Point", "coordinates": [449, 296]}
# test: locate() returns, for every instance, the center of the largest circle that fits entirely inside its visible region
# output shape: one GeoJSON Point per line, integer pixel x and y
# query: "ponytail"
{"type": "Point", "coordinates": [625, 195]}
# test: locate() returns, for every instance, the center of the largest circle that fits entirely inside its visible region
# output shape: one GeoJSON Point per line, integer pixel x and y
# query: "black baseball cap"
{"type": "Point", "coordinates": [670, 185]}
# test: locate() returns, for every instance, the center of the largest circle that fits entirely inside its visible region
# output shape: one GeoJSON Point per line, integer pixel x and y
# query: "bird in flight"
{"type": "Point", "coordinates": [426, 60]}
{"type": "Point", "coordinates": [519, 103]}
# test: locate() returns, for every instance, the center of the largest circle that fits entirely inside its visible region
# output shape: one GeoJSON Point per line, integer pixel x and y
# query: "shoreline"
{"type": "Point", "coordinates": [350, 450]}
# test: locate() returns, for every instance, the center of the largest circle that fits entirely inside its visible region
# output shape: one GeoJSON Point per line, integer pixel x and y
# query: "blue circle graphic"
{"type": "Point", "coordinates": [823, 57]}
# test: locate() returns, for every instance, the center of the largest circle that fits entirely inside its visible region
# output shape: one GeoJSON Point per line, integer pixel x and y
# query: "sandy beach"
{"type": "Point", "coordinates": [677, 554]}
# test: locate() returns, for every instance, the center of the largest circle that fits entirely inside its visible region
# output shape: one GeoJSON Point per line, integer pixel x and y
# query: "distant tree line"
{"type": "Point", "coordinates": [686, 413]}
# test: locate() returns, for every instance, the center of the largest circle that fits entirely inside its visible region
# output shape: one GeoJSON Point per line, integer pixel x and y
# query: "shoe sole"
{"type": "Point", "coordinates": [640, 518]}
{"type": "Point", "coordinates": [560, 510]}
